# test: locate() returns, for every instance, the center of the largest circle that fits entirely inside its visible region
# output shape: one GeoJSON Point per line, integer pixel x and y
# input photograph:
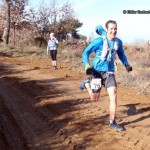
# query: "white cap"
{"type": "Point", "coordinates": [51, 35]}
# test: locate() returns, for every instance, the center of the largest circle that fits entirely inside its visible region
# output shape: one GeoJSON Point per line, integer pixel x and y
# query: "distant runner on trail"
{"type": "Point", "coordinates": [102, 70]}
{"type": "Point", "coordinates": [52, 49]}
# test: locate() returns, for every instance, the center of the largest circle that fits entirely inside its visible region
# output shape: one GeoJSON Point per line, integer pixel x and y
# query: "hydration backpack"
{"type": "Point", "coordinates": [106, 49]}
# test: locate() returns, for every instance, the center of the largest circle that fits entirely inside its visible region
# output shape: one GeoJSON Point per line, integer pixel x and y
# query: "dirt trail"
{"type": "Point", "coordinates": [44, 109]}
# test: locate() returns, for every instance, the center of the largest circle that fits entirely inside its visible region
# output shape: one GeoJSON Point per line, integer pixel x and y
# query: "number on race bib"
{"type": "Point", "coordinates": [96, 84]}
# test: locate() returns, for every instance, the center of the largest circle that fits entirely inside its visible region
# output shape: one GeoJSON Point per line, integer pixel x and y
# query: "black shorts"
{"type": "Point", "coordinates": [108, 79]}
{"type": "Point", "coordinates": [53, 54]}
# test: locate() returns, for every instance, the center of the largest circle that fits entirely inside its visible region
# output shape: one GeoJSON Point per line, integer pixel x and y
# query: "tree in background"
{"type": "Point", "coordinates": [68, 23]}
{"type": "Point", "coordinates": [7, 24]}
{"type": "Point", "coordinates": [26, 23]}
{"type": "Point", "coordinates": [12, 12]}
{"type": "Point", "coordinates": [54, 18]}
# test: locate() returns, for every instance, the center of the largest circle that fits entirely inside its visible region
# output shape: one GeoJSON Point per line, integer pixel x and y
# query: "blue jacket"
{"type": "Point", "coordinates": [103, 65]}
{"type": "Point", "coordinates": [52, 44]}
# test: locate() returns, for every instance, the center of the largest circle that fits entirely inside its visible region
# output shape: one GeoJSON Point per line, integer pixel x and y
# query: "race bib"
{"type": "Point", "coordinates": [96, 84]}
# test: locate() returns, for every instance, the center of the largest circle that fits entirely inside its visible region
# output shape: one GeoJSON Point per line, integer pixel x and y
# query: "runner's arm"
{"type": "Point", "coordinates": [121, 54]}
{"type": "Point", "coordinates": [92, 47]}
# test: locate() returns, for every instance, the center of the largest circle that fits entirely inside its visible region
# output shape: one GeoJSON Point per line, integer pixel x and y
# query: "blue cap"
{"type": "Point", "coordinates": [100, 30]}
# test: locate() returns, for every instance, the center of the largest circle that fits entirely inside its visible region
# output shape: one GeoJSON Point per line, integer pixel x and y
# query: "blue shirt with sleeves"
{"type": "Point", "coordinates": [99, 65]}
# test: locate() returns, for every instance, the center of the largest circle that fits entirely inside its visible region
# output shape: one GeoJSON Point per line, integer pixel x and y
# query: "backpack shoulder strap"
{"type": "Point", "coordinates": [105, 48]}
{"type": "Point", "coordinates": [116, 45]}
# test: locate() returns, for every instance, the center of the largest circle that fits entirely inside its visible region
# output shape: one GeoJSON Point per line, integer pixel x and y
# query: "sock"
{"type": "Point", "coordinates": [111, 121]}
{"type": "Point", "coordinates": [87, 85]}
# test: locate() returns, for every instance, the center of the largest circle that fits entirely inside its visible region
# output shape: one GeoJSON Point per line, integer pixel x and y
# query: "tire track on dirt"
{"type": "Point", "coordinates": [33, 128]}
{"type": "Point", "coordinates": [10, 131]}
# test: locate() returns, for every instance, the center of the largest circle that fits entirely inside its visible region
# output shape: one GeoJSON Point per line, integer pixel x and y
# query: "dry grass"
{"type": "Point", "coordinates": [138, 56]}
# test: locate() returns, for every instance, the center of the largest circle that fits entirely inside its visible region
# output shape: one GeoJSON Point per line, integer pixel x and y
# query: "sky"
{"type": "Point", "coordinates": [133, 24]}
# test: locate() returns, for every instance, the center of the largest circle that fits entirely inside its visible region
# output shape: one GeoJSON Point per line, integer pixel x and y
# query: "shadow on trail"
{"type": "Point", "coordinates": [58, 114]}
{"type": "Point", "coordinates": [6, 69]}
{"type": "Point", "coordinates": [137, 120]}
{"type": "Point", "coordinates": [132, 110]}
{"type": "Point", "coordinates": [60, 110]}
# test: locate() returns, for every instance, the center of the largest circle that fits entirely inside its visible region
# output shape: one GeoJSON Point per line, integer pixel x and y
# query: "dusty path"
{"type": "Point", "coordinates": [44, 109]}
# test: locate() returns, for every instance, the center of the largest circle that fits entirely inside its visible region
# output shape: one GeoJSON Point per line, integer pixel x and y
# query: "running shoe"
{"type": "Point", "coordinates": [82, 84]}
{"type": "Point", "coordinates": [116, 126]}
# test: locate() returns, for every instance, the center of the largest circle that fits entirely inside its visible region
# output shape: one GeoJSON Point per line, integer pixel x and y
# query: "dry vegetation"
{"type": "Point", "coordinates": [138, 56]}
{"type": "Point", "coordinates": [69, 56]}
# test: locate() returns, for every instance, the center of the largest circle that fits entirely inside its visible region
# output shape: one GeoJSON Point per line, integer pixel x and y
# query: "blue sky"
{"type": "Point", "coordinates": [131, 27]}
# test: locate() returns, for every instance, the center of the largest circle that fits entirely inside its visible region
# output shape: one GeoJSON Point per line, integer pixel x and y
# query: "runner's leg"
{"type": "Point", "coordinates": [112, 92]}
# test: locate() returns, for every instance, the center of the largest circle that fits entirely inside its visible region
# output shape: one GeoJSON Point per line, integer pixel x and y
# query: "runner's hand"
{"type": "Point", "coordinates": [128, 67]}
{"type": "Point", "coordinates": [88, 69]}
